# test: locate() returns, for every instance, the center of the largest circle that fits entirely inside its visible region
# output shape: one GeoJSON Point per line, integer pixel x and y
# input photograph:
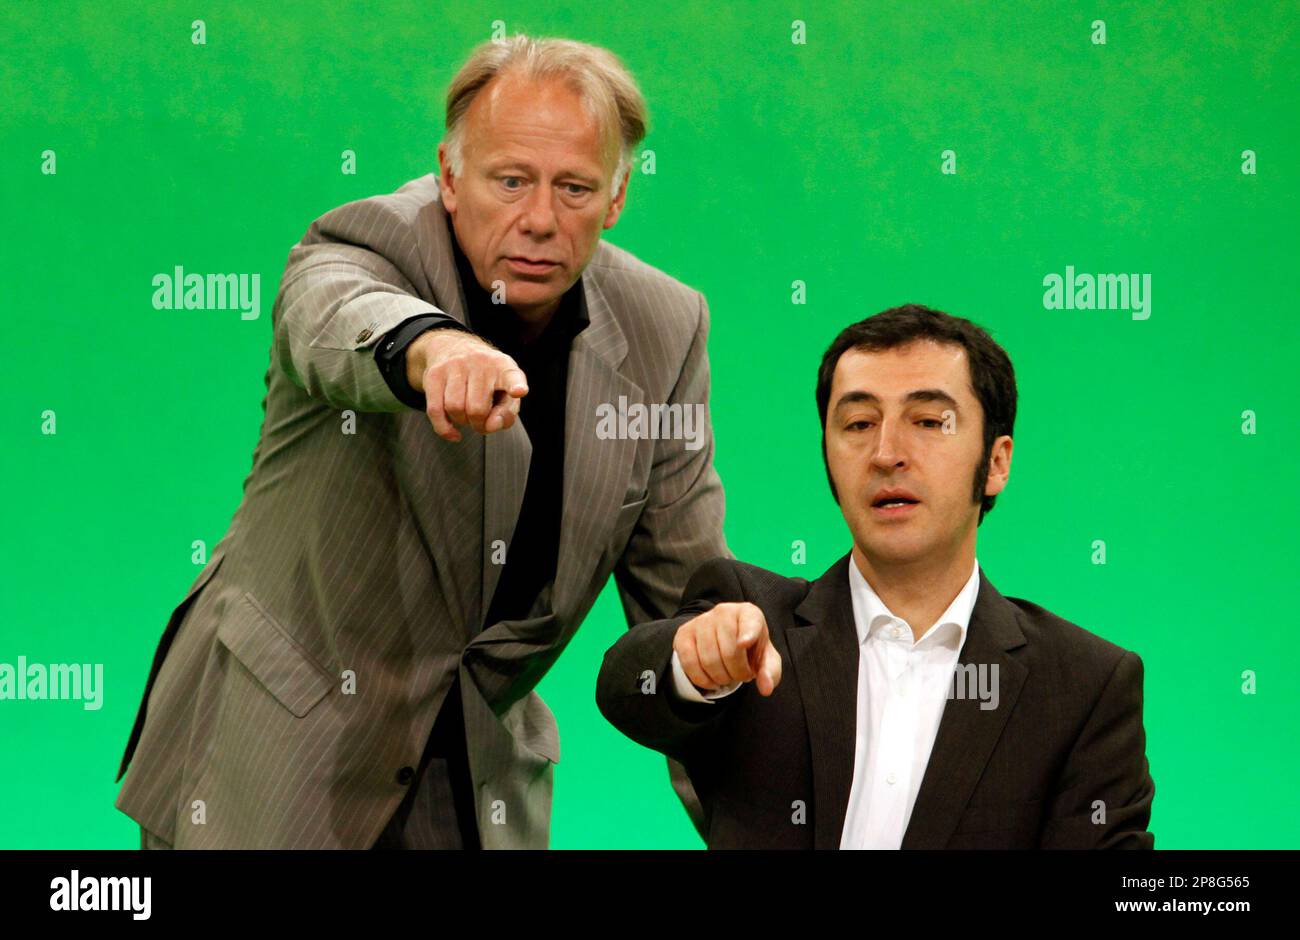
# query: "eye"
{"type": "Point", "coordinates": [857, 425]}
{"type": "Point", "coordinates": [934, 421]}
{"type": "Point", "coordinates": [580, 189]}
{"type": "Point", "coordinates": [506, 179]}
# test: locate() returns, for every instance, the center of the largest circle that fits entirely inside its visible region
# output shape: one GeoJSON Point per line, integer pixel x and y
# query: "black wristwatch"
{"type": "Point", "coordinates": [390, 353]}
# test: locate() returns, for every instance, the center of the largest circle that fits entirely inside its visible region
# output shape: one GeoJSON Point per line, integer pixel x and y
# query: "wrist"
{"type": "Point", "coordinates": [435, 343]}
{"type": "Point", "coordinates": [417, 359]}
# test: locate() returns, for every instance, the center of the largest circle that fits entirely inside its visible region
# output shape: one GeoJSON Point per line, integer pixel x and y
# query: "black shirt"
{"type": "Point", "coordinates": [533, 551]}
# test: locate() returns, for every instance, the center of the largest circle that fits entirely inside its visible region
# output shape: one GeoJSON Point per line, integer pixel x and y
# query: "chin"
{"type": "Point", "coordinates": [530, 293]}
{"type": "Point", "coordinates": [893, 549]}
{"type": "Point", "coordinates": [530, 310]}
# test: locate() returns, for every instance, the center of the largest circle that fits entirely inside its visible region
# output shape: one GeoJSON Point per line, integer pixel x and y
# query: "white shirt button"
{"type": "Point", "coordinates": [891, 779]}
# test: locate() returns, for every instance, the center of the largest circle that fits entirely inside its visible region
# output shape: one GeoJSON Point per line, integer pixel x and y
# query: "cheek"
{"type": "Point", "coordinates": [847, 470]}
{"type": "Point", "coordinates": [495, 236]}
{"type": "Point", "coordinates": [585, 228]}
{"type": "Point", "coordinates": [487, 210]}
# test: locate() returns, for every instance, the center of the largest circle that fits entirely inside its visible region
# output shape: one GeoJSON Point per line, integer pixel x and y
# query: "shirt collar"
{"type": "Point", "coordinates": [871, 616]}
{"type": "Point", "coordinates": [484, 317]}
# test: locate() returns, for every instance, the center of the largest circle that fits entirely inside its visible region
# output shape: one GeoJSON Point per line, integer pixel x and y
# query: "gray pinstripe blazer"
{"type": "Point", "coordinates": [305, 666]}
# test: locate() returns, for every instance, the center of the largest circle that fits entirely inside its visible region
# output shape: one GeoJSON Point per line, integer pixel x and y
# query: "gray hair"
{"type": "Point", "coordinates": [606, 88]}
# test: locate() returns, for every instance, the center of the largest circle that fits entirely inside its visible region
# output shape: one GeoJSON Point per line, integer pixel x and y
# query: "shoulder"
{"type": "Point", "coordinates": [644, 297]}
{"type": "Point", "coordinates": [408, 201]}
{"type": "Point", "coordinates": [1076, 656]}
{"type": "Point", "coordinates": [379, 221]}
{"type": "Point", "coordinates": [736, 580]}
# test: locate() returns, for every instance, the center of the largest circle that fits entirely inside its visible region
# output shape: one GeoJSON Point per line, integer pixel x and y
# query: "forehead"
{"type": "Point", "coordinates": [515, 116]}
{"type": "Point", "coordinates": [892, 373]}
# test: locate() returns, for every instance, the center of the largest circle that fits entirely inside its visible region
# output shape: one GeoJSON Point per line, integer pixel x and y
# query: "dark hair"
{"type": "Point", "coordinates": [991, 374]}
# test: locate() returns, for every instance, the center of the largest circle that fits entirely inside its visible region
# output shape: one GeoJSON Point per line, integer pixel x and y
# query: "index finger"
{"type": "Point", "coordinates": [752, 625]}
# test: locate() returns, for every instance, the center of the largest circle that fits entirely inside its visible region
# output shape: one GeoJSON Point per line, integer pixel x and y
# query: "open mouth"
{"type": "Point", "coordinates": [893, 502]}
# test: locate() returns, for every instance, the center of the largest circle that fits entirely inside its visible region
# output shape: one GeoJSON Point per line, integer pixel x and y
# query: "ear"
{"type": "Point", "coordinates": [616, 204]}
{"type": "Point", "coordinates": [446, 181]}
{"type": "Point", "coordinates": [999, 466]}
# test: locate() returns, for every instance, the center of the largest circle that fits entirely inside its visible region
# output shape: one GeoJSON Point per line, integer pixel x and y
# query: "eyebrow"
{"type": "Point", "coordinates": [509, 163]}
{"type": "Point", "coordinates": [920, 394]}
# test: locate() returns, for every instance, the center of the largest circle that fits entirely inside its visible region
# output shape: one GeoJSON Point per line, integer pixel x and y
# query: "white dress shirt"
{"type": "Point", "coordinates": [903, 686]}
{"type": "Point", "coordinates": [686, 689]}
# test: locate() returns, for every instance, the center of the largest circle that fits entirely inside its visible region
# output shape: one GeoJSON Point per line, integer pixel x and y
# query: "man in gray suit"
{"type": "Point", "coordinates": [439, 492]}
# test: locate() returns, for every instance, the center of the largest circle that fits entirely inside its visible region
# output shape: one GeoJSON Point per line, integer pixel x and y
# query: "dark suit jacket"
{"type": "Point", "coordinates": [1067, 730]}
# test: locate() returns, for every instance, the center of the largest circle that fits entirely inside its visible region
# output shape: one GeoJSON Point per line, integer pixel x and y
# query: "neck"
{"type": "Point", "coordinates": [919, 590]}
{"type": "Point", "coordinates": [530, 324]}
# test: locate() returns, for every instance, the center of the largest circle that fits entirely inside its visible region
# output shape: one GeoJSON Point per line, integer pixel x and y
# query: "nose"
{"type": "Point", "coordinates": [538, 216]}
{"type": "Point", "coordinates": [888, 455]}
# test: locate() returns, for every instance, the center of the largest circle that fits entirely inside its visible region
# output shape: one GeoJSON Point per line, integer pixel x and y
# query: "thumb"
{"type": "Point", "coordinates": [513, 382]}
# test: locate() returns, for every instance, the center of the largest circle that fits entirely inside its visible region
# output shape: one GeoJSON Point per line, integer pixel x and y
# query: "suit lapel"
{"type": "Point", "coordinates": [595, 478]}
{"type": "Point", "coordinates": [823, 647]}
{"type": "Point", "coordinates": [439, 262]}
{"type": "Point", "coordinates": [967, 734]}
{"type": "Point", "coordinates": [503, 456]}
{"type": "Point", "coordinates": [506, 455]}
{"type": "Point", "coordinates": [596, 470]}
{"type": "Point", "coordinates": [824, 652]}
{"type": "Point", "coordinates": [499, 460]}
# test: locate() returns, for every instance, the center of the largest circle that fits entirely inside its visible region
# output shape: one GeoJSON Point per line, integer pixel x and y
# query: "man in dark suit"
{"type": "Point", "coordinates": [899, 700]}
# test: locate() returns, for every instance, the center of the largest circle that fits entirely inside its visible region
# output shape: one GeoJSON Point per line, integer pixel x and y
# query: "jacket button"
{"type": "Point", "coordinates": [405, 775]}
{"type": "Point", "coordinates": [364, 335]}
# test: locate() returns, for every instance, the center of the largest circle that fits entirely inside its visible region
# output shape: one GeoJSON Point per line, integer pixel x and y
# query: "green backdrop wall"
{"type": "Point", "coordinates": [1172, 439]}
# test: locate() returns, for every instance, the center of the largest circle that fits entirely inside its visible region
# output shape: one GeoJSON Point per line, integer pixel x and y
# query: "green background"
{"type": "Point", "coordinates": [775, 162]}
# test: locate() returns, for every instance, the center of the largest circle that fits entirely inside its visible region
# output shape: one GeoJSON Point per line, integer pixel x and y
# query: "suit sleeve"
{"type": "Point", "coordinates": [390, 354]}
{"type": "Point", "coordinates": [346, 284]}
{"type": "Point", "coordinates": [1104, 794]}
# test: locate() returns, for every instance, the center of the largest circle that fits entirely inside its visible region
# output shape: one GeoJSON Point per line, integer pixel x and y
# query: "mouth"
{"type": "Point", "coordinates": [527, 265]}
{"type": "Point", "coordinates": [890, 504]}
